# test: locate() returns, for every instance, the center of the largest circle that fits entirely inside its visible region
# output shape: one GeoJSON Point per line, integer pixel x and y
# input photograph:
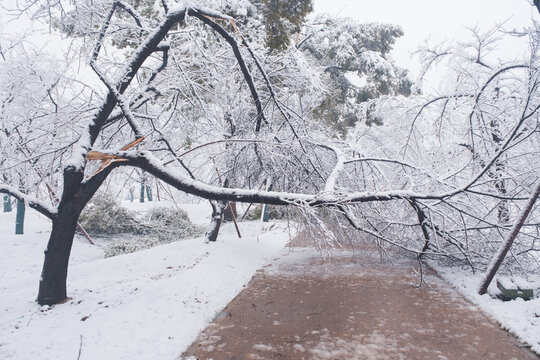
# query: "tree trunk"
{"type": "Point", "coordinates": [52, 286]}
{"type": "Point", "coordinates": [215, 223]}
{"type": "Point", "coordinates": [422, 221]}
{"type": "Point", "coordinates": [501, 254]}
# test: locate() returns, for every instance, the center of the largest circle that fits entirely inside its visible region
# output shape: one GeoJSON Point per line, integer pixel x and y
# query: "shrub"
{"type": "Point", "coordinates": [103, 216]}
{"type": "Point", "coordinates": [170, 224]}
{"type": "Point", "coordinates": [160, 226]}
{"type": "Point", "coordinates": [274, 213]}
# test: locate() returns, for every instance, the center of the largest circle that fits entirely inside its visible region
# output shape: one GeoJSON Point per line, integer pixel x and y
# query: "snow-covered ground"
{"type": "Point", "coordinates": [145, 305]}
{"type": "Point", "coordinates": [153, 303]}
{"type": "Point", "coordinates": [519, 317]}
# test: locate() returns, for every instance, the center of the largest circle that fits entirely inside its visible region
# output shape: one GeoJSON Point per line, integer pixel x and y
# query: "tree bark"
{"type": "Point", "coordinates": [76, 194]}
{"type": "Point", "coordinates": [52, 285]}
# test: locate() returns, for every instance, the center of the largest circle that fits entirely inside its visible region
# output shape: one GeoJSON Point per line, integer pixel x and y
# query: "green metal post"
{"type": "Point", "coordinates": [141, 197]}
{"type": "Point", "coordinates": [7, 203]}
{"type": "Point", "coordinates": [149, 192]}
{"type": "Point", "coordinates": [19, 218]}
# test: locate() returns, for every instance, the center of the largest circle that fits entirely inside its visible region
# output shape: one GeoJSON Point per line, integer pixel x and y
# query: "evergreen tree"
{"type": "Point", "coordinates": [357, 64]}
{"type": "Point", "coordinates": [282, 19]}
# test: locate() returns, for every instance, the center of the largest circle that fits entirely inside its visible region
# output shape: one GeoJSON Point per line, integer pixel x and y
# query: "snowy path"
{"type": "Point", "coordinates": [145, 305]}
{"type": "Point", "coordinates": [350, 307]}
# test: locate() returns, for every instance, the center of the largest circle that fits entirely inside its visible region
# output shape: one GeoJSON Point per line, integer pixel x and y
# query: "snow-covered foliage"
{"type": "Point", "coordinates": [357, 66]}
{"type": "Point", "coordinates": [161, 225]}
{"type": "Point", "coordinates": [103, 216]}
{"type": "Point", "coordinates": [480, 134]}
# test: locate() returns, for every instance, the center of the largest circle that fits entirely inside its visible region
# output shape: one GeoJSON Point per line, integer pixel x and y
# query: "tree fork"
{"type": "Point", "coordinates": [422, 220]}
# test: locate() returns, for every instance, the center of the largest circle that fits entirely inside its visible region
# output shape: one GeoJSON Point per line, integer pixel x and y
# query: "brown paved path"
{"type": "Point", "coordinates": [350, 307]}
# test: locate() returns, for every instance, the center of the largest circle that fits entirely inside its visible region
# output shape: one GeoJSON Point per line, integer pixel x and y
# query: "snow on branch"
{"type": "Point", "coordinates": [31, 201]}
{"type": "Point", "coordinates": [330, 185]}
{"type": "Point", "coordinates": [124, 105]}
{"type": "Point", "coordinates": [149, 163]}
{"type": "Point", "coordinates": [144, 50]}
{"type": "Point", "coordinates": [204, 17]}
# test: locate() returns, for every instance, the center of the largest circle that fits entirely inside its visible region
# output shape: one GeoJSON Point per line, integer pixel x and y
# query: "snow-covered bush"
{"type": "Point", "coordinates": [160, 226]}
{"type": "Point", "coordinates": [103, 216]}
{"type": "Point", "coordinates": [169, 224]}
{"type": "Point", "coordinates": [274, 213]}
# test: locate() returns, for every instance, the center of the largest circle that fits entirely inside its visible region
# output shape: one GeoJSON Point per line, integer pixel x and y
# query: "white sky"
{"type": "Point", "coordinates": [436, 20]}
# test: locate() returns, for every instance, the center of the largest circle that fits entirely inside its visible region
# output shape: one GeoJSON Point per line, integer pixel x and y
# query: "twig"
{"type": "Point", "coordinates": [80, 348]}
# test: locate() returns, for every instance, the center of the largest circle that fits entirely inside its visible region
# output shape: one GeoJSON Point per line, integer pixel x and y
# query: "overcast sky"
{"type": "Point", "coordinates": [437, 20]}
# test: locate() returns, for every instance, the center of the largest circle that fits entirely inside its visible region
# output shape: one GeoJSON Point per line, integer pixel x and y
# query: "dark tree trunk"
{"type": "Point", "coordinates": [52, 286]}
{"type": "Point", "coordinates": [76, 194]}
{"type": "Point", "coordinates": [19, 218]}
{"type": "Point", "coordinates": [141, 194]}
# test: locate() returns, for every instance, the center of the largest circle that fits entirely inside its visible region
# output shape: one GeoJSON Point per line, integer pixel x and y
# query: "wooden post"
{"type": "Point", "coordinates": [234, 219]}
{"type": "Point", "coordinates": [85, 234]}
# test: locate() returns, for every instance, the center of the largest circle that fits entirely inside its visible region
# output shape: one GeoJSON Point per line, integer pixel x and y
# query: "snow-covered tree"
{"type": "Point", "coordinates": [480, 135]}
{"type": "Point", "coordinates": [357, 65]}
{"type": "Point", "coordinates": [191, 102]}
